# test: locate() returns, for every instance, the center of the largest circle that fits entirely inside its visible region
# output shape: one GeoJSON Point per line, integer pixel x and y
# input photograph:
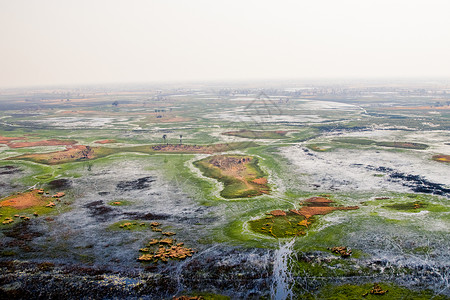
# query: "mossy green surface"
{"type": "Point", "coordinates": [367, 142]}
{"type": "Point", "coordinates": [234, 187]}
{"type": "Point", "coordinates": [354, 292]}
{"type": "Point", "coordinates": [133, 225]}
{"type": "Point", "coordinates": [279, 226]}
{"type": "Point", "coordinates": [415, 206]}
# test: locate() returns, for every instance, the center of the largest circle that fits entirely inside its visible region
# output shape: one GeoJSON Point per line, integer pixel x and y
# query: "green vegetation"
{"type": "Point", "coordinates": [257, 134]}
{"type": "Point", "coordinates": [241, 175]}
{"type": "Point", "coordinates": [284, 226]}
{"type": "Point", "coordinates": [408, 206]}
{"type": "Point", "coordinates": [132, 225]}
{"type": "Point", "coordinates": [404, 145]}
{"type": "Point", "coordinates": [350, 291]}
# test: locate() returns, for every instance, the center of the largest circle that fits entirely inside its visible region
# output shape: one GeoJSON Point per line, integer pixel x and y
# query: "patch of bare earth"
{"type": "Point", "coordinates": [319, 206]}
{"type": "Point", "coordinates": [72, 153]}
{"type": "Point", "coordinates": [24, 200]}
{"type": "Point", "coordinates": [6, 140]}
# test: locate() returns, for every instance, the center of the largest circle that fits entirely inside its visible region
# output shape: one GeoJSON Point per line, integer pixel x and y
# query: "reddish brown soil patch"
{"type": "Point", "coordinates": [52, 142]}
{"type": "Point", "coordinates": [105, 141]}
{"type": "Point", "coordinates": [278, 213]}
{"type": "Point", "coordinates": [442, 158]}
{"type": "Point", "coordinates": [318, 201]}
{"type": "Point", "coordinates": [260, 180]}
{"type": "Point", "coordinates": [6, 140]}
{"type": "Point", "coordinates": [319, 206]}
{"type": "Point", "coordinates": [24, 200]}
{"type": "Point", "coordinates": [72, 153]}
{"type": "Point", "coordinates": [183, 148]}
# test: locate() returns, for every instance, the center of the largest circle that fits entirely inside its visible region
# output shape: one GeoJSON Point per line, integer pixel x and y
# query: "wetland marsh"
{"type": "Point", "coordinates": [262, 193]}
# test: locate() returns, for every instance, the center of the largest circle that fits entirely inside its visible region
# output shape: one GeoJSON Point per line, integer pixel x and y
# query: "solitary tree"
{"type": "Point", "coordinates": [164, 138]}
{"type": "Point", "coordinates": [115, 103]}
{"type": "Point", "coordinates": [181, 137]}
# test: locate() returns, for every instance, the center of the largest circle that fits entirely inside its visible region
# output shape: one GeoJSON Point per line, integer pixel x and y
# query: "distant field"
{"type": "Point", "coordinates": [255, 134]}
{"type": "Point", "coordinates": [83, 153]}
{"type": "Point", "coordinates": [404, 145]}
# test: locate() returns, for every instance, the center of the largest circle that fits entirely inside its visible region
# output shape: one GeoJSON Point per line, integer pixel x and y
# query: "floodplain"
{"type": "Point", "coordinates": [226, 192]}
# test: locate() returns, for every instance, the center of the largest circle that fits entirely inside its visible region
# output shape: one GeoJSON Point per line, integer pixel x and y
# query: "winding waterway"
{"type": "Point", "coordinates": [282, 278]}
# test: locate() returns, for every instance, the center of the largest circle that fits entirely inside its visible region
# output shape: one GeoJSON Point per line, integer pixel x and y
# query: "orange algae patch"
{"type": "Point", "coordinates": [52, 142]}
{"type": "Point", "coordinates": [166, 250]}
{"type": "Point", "coordinates": [442, 158]}
{"type": "Point", "coordinates": [24, 200]}
{"type": "Point", "coordinates": [105, 141]}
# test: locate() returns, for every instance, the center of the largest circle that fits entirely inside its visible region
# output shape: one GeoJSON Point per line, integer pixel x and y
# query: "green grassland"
{"type": "Point", "coordinates": [279, 226]}
{"type": "Point", "coordinates": [234, 187]}
{"type": "Point", "coordinates": [257, 134]}
{"type": "Point", "coordinates": [404, 145]}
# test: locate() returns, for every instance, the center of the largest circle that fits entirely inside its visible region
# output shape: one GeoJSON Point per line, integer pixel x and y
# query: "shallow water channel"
{"type": "Point", "coordinates": [282, 278]}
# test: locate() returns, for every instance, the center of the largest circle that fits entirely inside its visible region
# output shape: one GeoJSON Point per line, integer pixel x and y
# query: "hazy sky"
{"type": "Point", "coordinates": [72, 42]}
